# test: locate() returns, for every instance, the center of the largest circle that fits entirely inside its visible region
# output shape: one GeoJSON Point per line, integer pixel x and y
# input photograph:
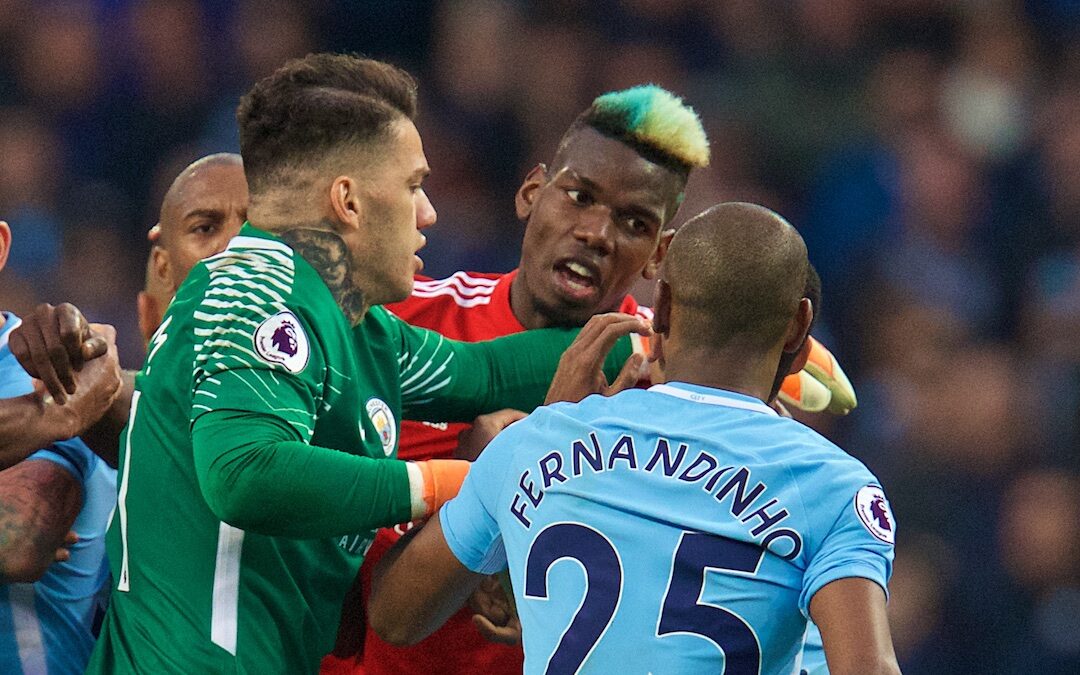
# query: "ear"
{"type": "Point", "coordinates": [798, 329]}
{"type": "Point", "coordinates": [652, 268]}
{"type": "Point", "coordinates": [801, 358]}
{"type": "Point", "coordinates": [526, 194]}
{"type": "Point", "coordinates": [161, 268]}
{"type": "Point", "coordinates": [346, 202]}
{"type": "Point", "coordinates": [5, 243]}
{"type": "Point", "coordinates": [662, 308]}
{"type": "Point", "coordinates": [661, 328]}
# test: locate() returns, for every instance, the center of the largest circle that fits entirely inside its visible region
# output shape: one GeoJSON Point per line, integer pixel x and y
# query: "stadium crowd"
{"type": "Point", "coordinates": [928, 151]}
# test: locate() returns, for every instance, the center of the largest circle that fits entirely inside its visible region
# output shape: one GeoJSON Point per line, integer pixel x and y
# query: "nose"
{"type": "Point", "coordinates": [425, 212]}
{"type": "Point", "coordinates": [595, 229]}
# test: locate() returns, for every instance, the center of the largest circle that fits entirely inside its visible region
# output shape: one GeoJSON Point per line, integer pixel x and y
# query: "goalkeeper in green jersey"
{"type": "Point", "coordinates": [260, 449]}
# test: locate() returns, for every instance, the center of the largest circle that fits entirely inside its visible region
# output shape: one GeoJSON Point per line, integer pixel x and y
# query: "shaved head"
{"type": "Point", "coordinates": [198, 174]}
{"type": "Point", "coordinates": [737, 272]}
{"type": "Point", "coordinates": [203, 209]}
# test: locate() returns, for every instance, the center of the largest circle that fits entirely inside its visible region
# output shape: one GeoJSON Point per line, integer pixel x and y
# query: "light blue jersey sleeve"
{"type": "Point", "coordinates": [73, 455]}
{"type": "Point", "coordinates": [859, 544]}
{"type": "Point", "coordinates": [813, 657]}
{"type": "Point", "coordinates": [468, 520]}
{"type": "Point", "coordinates": [54, 615]}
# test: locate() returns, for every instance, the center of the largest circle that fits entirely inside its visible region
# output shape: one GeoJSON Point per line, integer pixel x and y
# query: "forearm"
{"type": "Point", "coordinates": [38, 504]}
{"type": "Point", "coordinates": [417, 586]}
{"type": "Point", "coordinates": [27, 424]}
{"type": "Point", "coordinates": [882, 665]}
{"type": "Point", "coordinates": [104, 436]}
{"type": "Point", "coordinates": [256, 476]}
{"type": "Point", "coordinates": [850, 612]}
{"type": "Point", "coordinates": [514, 371]}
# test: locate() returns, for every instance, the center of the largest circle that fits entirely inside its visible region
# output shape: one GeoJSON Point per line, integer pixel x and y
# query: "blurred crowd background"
{"type": "Point", "coordinates": [929, 151]}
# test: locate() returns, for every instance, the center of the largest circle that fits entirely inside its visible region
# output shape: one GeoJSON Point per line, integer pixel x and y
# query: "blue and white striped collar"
{"type": "Point", "coordinates": [710, 396]}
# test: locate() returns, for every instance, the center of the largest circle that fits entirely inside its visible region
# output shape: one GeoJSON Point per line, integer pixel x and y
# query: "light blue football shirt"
{"type": "Point", "coordinates": [679, 529]}
{"type": "Point", "coordinates": [813, 662]}
{"type": "Point", "coordinates": [45, 627]}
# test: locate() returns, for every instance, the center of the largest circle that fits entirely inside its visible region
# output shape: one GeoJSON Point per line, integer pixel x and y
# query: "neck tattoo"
{"type": "Point", "coordinates": [326, 252]}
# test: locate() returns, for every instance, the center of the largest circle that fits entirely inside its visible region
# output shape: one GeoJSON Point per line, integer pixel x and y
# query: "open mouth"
{"type": "Point", "coordinates": [577, 279]}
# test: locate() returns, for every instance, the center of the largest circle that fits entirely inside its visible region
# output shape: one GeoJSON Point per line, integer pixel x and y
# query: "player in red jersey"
{"type": "Point", "coordinates": [595, 221]}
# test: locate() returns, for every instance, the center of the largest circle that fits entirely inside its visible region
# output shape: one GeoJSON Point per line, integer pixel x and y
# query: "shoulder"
{"type": "Point", "coordinates": [465, 289]}
{"type": "Point", "coordinates": [618, 409]}
{"type": "Point", "coordinates": [830, 480]}
{"type": "Point", "coordinates": [811, 454]}
{"type": "Point", "coordinates": [467, 306]}
{"type": "Point", "coordinates": [378, 318]}
{"type": "Point", "coordinates": [260, 302]}
{"type": "Point", "coordinates": [249, 259]}
{"type": "Point", "coordinates": [252, 272]}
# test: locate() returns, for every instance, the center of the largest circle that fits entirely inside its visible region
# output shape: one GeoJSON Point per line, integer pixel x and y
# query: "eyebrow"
{"type": "Point", "coordinates": [657, 215]}
{"type": "Point", "coordinates": [210, 213]}
{"type": "Point", "coordinates": [592, 185]}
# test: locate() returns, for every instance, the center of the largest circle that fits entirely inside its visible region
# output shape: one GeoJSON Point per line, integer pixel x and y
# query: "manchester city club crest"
{"type": "Point", "coordinates": [875, 514]}
{"type": "Point", "coordinates": [282, 340]}
{"type": "Point", "coordinates": [383, 421]}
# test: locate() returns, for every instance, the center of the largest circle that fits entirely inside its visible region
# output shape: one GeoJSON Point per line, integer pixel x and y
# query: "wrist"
{"type": "Point", "coordinates": [47, 421]}
{"type": "Point", "coordinates": [434, 482]}
{"type": "Point", "coordinates": [417, 504]}
{"type": "Point", "coordinates": [61, 421]}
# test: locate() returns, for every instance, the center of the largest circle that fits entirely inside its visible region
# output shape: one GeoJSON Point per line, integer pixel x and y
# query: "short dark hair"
{"type": "Point", "coordinates": [312, 106]}
{"type": "Point", "coordinates": [737, 272]}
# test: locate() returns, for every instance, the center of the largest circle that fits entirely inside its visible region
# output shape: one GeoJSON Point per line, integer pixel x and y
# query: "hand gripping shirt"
{"type": "Point", "coordinates": [679, 529]}
{"type": "Point", "coordinates": [45, 626]}
{"type": "Point", "coordinates": [260, 454]}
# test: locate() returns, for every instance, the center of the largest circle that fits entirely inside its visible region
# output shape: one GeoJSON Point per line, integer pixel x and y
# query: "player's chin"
{"type": "Point", "coordinates": [569, 311]}
{"type": "Point", "coordinates": [408, 280]}
{"type": "Point", "coordinates": [403, 290]}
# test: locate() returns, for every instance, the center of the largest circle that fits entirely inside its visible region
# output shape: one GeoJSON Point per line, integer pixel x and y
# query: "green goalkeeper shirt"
{"type": "Point", "coordinates": [260, 455]}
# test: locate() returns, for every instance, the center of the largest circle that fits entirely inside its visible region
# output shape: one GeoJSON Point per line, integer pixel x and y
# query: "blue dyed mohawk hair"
{"type": "Point", "coordinates": [654, 122]}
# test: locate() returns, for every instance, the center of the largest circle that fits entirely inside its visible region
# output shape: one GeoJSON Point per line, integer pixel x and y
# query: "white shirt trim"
{"type": "Point", "coordinates": [713, 399]}
{"type": "Point", "coordinates": [12, 322]}
{"type": "Point", "coordinates": [29, 641]}
{"type": "Point", "coordinates": [258, 244]}
{"type": "Point", "coordinates": [224, 610]}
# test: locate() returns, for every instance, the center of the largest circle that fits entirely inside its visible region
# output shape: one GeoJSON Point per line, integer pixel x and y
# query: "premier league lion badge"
{"type": "Point", "coordinates": [282, 340]}
{"type": "Point", "coordinates": [875, 514]}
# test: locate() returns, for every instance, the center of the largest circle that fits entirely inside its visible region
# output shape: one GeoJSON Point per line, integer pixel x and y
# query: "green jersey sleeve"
{"type": "Point", "coordinates": [444, 380]}
{"type": "Point", "coordinates": [254, 475]}
{"type": "Point", "coordinates": [260, 381]}
{"type": "Point", "coordinates": [252, 350]}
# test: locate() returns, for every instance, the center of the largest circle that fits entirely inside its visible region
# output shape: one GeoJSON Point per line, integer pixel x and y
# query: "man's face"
{"type": "Point", "coordinates": [594, 224]}
{"type": "Point", "coordinates": [201, 216]}
{"type": "Point", "coordinates": [395, 209]}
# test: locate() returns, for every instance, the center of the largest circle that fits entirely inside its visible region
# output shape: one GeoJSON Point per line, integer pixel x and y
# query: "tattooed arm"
{"type": "Point", "coordinates": [39, 501]}
{"type": "Point", "coordinates": [325, 250]}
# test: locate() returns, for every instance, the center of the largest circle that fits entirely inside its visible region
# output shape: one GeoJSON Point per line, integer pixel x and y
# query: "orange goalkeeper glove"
{"type": "Point", "coordinates": [820, 386]}
{"type": "Point", "coordinates": [434, 482]}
